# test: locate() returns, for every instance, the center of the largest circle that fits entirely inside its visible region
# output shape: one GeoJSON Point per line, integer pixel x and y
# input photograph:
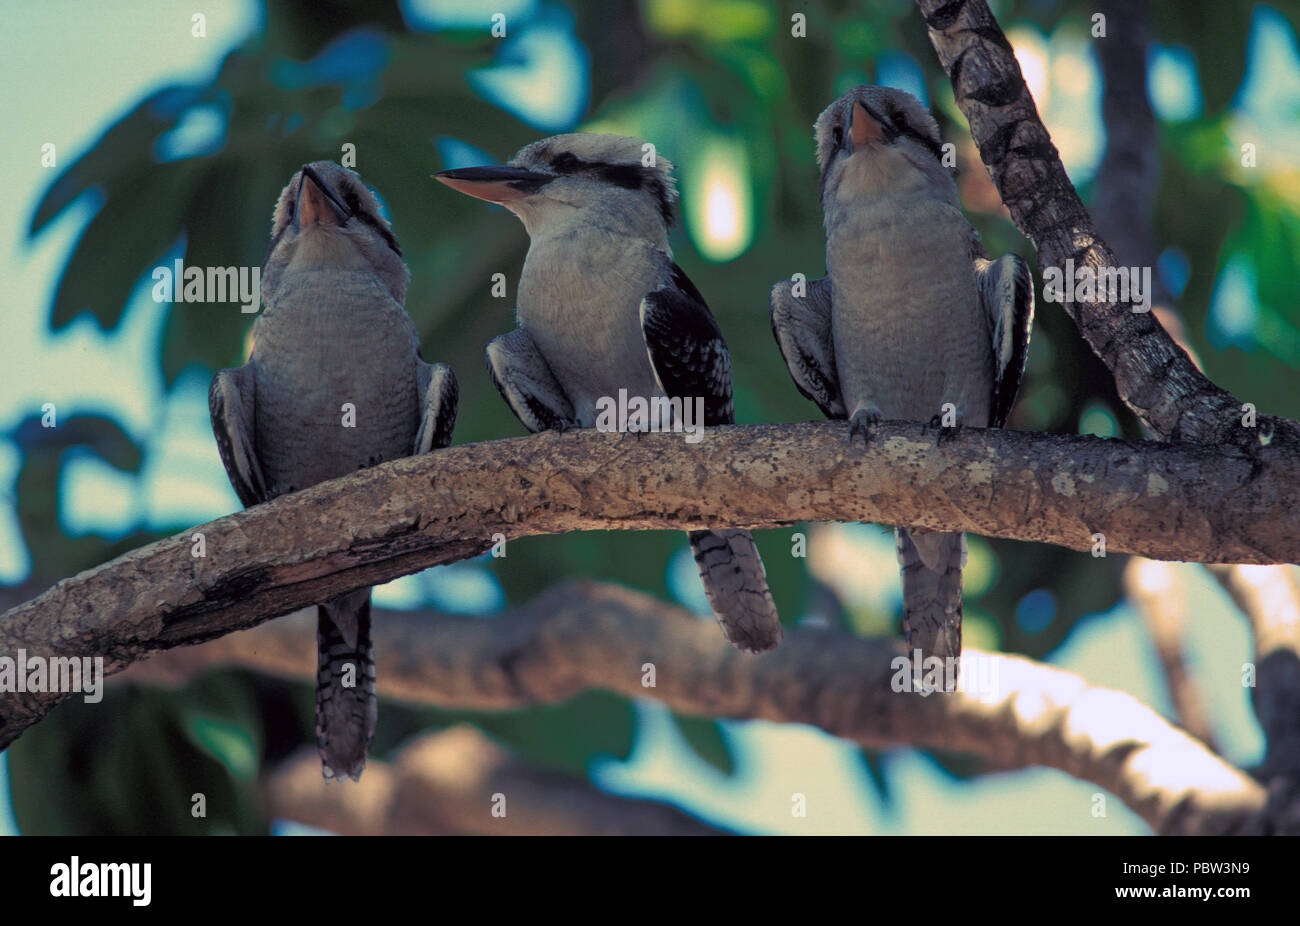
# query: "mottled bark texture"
{"type": "Point", "coordinates": [1153, 375]}
{"type": "Point", "coordinates": [585, 635]}
{"type": "Point", "coordinates": [1164, 501]}
{"type": "Point", "coordinates": [457, 781]}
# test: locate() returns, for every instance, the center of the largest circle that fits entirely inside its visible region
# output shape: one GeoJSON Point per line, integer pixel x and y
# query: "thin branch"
{"type": "Point", "coordinates": [1269, 596]}
{"type": "Point", "coordinates": [1163, 501]}
{"type": "Point", "coordinates": [585, 635]}
{"type": "Point", "coordinates": [459, 781]}
{"type": "Point", "coordinates": [1155, 378]}
{"type": "Point", "coordinates": [1156, 589]}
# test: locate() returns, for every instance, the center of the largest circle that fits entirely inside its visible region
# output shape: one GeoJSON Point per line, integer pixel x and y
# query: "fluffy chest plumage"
{"type": "Point", "coordinates": [907, 324]}
{"type": "Point", "coordinates": [335, 362]}
{"type": "Point", "coordinates": [580, 300]}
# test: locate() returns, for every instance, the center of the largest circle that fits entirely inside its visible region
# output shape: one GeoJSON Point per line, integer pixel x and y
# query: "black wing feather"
{"type": "Point", "coordinates": [230, 407]}
{"type": "Point", "coordinates": [686, 347]}
{"type": "Point", "coordinates": [1007, 292]}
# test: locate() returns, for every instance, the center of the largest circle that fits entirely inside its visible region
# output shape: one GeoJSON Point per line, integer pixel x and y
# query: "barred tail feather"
{"type": "Point", "coordinates": [346, 706]}
{"type": "Point", "coordinates": [931, 564]}
{"type": "Point", "coordinates": [736, 585]}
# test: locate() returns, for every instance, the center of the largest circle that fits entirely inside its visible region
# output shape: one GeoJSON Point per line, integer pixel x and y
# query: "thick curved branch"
{"type": "Point", "coordinates": [458, 781]}
{"type": "Point", "coordinates": [586, 635]}
{"type": "Point", "coordinates": [1184, 502]}
{"type": "Point", "coordinates": [1155, 377]}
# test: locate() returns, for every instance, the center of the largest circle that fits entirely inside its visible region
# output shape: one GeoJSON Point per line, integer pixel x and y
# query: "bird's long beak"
{"type": "Point", "coordinates": [497, 184]}
{"type": "Point", "coordinates": [867, 127]}
{"type": "Point", "coordinates": [318, 204]}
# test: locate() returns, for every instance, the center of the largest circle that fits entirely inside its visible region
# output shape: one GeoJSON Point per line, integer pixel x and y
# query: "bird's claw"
{"type": "Point", "coordinates": [863, 423]}
{"type": "Point", "coordinates": [946, 431]}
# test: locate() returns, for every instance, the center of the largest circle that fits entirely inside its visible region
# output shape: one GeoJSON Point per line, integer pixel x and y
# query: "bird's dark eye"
{"type": "Point", "coordinates": [899, 120]}
{"type": "Point", "coordinates": [565, 162]}
{"type": "Point", "coordinates": [838, 136]}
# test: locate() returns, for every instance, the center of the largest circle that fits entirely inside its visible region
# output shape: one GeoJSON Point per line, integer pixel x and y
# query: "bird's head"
{"type": "Point", "coordinates": [611, 179]}
{"type": "Point", "coordinates": [879, 140]}
{"type": "Point", "coordinates": [327, 219]}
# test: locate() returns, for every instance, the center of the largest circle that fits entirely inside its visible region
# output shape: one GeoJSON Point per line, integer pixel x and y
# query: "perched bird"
{"type": "Point", "coordinates": [602, 307]}
{"type": "Point", "coordinates": [334, 383]}
{"type": "Point", "coordinates": [910, 322]}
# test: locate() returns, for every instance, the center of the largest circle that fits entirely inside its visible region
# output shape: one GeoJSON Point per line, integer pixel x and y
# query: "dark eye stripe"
{"type": "Point", "coordinates": [353, 202]}
{"type": "Point", "coordinates": [384, 233]}
{"type": "Point", "coordinates": [626, 176]}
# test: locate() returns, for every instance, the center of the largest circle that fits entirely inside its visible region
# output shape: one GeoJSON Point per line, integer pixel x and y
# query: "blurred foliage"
{"type": "Point", "coordinates": [684, 73]}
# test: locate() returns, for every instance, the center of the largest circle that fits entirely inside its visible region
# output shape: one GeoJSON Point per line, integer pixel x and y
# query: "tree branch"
{"type": "Point", "coordinates": [1166, 501]}
{"type": "Point", "coordinates": [1269, 596]}
{"type": "Point", "coordinates": [1154, 377]}
{"type": "Point", "coordinates": [1156, 589]}
{"type": "Point", "coordinates": [585, 635]}
{"type": "Point", "coordinates": [450, 782]}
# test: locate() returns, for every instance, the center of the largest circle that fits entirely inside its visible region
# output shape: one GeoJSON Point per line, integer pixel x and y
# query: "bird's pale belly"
{"type": "Point", "coordinates": [593, 352]}
{"type": "Point", "coordinates": [328, 404]}
{"type": "Point", "coordinates": [907, 327]}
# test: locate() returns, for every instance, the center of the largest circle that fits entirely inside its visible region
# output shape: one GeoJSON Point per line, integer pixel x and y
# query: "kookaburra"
{"type": "Point", "coordinates": [911, 322]}
{"type": "Point", "coordinates": [602, 307]}
{"type": "Point", "coordinates": [334, 383]}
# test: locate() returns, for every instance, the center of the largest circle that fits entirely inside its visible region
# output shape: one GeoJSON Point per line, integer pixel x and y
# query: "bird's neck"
{"type": "Point", "coordinates": [580, 224]}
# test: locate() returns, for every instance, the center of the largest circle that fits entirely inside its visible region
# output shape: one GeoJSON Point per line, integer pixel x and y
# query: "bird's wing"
{"type": "Point", "coordinates": [801, 325]}
{"type": "Point", "coordinates": [520, 373]}
{"type": "Point", "coordinates": [438, 395]}
{"type": "Point", "coordinates": [1007, 296]}
{"type": "Point", "coordinates": [230, 403]}
{"type": "Point", "coordinates": [687, 353]}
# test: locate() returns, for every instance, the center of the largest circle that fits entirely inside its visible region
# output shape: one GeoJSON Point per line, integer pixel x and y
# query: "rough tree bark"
{"type": "Point", "coordinates": [1163, 501]}
{"type": "Point", "coordinates": [1154, 376]}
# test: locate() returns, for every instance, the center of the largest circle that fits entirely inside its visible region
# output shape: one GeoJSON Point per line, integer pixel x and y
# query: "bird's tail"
{"type": "Point", "coordinates": [346, 707]}
{"type": "Point", "coordinates": [736, 585]}
{"type": "Point", "coordinates": [931, 564]}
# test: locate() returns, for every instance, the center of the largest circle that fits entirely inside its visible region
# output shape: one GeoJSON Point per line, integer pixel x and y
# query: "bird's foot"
{"type": "Point", "coordinates": [863, 423]}
{"type": "Point", "coordinates": [946, 431]}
